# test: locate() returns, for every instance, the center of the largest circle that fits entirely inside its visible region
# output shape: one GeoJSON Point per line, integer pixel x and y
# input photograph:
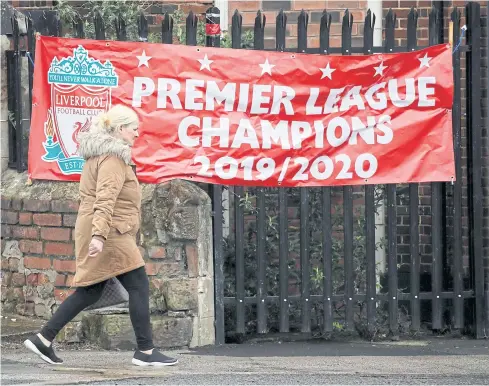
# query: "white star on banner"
{"type": "Point", "coordinates": [266, 67]}
{"type": "Point", "coordinates": [205, 63]}
{"type": "Point", "coordinates": [380, 69]}
{"type": "Point", "coordinates": [327, 71]}
{"type": "Point", "coordinates": [424, 61]}
{"type": "Point", "coordinates": [143, 59]}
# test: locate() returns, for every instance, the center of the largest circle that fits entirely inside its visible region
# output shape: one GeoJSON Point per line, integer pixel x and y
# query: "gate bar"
{"type": "Point", "coordinates": [368, 42]}
{"type": "Point", "coordinates": [280, 27]}
{"type": "Point", "coordinates": [283, 253]}
{"type": "Point", "coordinates": [240, 266]}
{"type": "Point", "coordinates": [414, 205]}
{"type": "Point", "coordinates": [474, 156]}
{"type": "Point", "coordinates": [261, 291]}
{"type": "Point", "coordinates": [348, 199]}
{"type": "Point", "coordinates": [302, 22]}
{"type": "Point", "coordinates": [390, 22]}
{"type": "Point", "coordinates": [215, 41]}
{"type": "Point", "coordinates": [436, 214]}
{"type": "Point", "coordinates": [326, 210]}
{"type": "Point", "coordinates": [458, 264]}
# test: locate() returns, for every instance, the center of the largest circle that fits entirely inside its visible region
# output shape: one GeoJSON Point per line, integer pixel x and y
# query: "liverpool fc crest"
{"type": "Point", "coordinates": [80, 90]}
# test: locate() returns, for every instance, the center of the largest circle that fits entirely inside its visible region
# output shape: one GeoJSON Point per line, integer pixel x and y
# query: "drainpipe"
{"type": "Point", "coordinates": [375, 7]}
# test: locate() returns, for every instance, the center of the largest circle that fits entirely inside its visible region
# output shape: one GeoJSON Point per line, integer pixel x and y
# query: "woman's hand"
{"type": "Point", "coordinates": [95, 247]}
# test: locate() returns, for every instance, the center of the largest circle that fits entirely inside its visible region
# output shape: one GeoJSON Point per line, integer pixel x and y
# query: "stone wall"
{"type": "Point", "coordinates": [38, 260]}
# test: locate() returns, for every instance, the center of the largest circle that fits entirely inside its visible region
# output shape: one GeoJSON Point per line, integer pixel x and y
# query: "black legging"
{"type": "Point", "coordinates": [136, 284]}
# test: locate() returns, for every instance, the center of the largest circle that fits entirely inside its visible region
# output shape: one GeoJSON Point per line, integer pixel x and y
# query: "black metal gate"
{"type": "Point", "coordinates": [304, 259]}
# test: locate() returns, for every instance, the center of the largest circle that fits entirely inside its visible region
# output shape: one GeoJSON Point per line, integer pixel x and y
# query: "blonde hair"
{"type": "Point", "coordinates": [116, 116]}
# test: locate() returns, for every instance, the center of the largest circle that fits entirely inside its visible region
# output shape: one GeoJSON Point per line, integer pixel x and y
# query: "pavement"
{"type": "Point", "coordinates": [437, 361]}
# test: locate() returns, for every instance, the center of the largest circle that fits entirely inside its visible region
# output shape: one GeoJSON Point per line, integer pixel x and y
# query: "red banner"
{"type": "Point", "coordinates": [241, 117]}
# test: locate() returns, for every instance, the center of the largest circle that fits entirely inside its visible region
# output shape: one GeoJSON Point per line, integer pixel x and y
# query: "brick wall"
{"type": "Point", "coordinates": [44, 259]}
{"type": "Point", "coordinates": [292, 9]}
{"type": "Point", "coordinates": [38, 263]}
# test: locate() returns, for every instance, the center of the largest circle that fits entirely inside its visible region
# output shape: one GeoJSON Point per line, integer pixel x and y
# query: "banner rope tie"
{"type": "Point", "coordinates": [463, 29]}
{"type": "Point", "coordinates": [30, 57]}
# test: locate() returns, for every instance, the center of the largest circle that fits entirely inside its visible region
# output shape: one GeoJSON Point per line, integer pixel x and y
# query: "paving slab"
{"type": "Point", "coordinates": [435, 362]}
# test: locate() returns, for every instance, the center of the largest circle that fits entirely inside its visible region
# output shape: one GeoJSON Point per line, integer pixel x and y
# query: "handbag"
{"type": "Point", "coordinates": [113, 294]}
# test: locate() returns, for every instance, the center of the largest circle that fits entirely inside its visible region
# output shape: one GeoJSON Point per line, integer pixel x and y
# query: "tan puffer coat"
{"type": "Point", "coordinates": [110, 207]}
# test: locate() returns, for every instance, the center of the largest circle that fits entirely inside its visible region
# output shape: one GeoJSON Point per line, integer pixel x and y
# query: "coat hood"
{"type": "Point", "coordinates": [97, 143]}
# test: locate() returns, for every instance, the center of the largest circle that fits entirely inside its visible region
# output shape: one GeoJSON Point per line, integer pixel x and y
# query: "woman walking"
{"type": "Point", "coordinates": [105, 236]}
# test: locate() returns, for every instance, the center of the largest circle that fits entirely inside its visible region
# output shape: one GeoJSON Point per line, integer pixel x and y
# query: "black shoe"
{"type": "Point", "coordinates": [154, 359]}
{"type": "Point", "coordinates": [44, 352]}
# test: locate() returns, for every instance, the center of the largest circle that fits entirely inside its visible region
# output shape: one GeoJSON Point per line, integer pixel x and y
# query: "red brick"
{"type": "Point", "coordinates": [30, 246]}
{"type": "Point", "coordinates": [64, 206]}
{"type": "Point", "coordinates": [47, 219]}
{"type": "Point", "coordinates": [9, 217]}
{"type": "Point", "coordinates": [249, 17]}
{"type": "Point", "coordinates": [249, 5]}
{"type": "Point", "coordinates": [157, 252]}
{"type": "Point", "coordinates": [37, 263]}
{"type": "Point", "coordinates": [73, 234]}
{"type": "Point", "coordinates": [346, 4]}
{"type": "Point", "coordinates": [60, 249]}
{"type": "Point", "coordinates": [60, 280]}
{"type": "Point", "coordinates": [5, 203]}
{"type": "Point", "coordinates": [37, 205]}
{"type": "Point", "coordinates": [197, 9]}
{"type": "Point", "coordinates": [55, 234]}
{"type": "Point", "coordinates": [192, 260]}
{"type": "Point", "coordinates": [310, 5]}
{"type": "Point", "coordinates": [25, 218]}
{"type": "Point", "coordinates": [64, 265]}
{"type": "Point", "coordinates": [358, 15]}
{"type": "Point", "coordinates": [25, 232]}
{"type": "Point", "coordinates": [69, 280]}
{"type": "Point", "coordinates": [69, 220]}
{"type": "Point", "coordinates": [335, 41]}
{"type": "Point", "coordinates": [61, 295]}
{"type": "Point", "coordinates": [408, 3]}
{"type": "Point", "coordinates": [153, 268]}
{"type": "Point", "coordinates": [33, 279]}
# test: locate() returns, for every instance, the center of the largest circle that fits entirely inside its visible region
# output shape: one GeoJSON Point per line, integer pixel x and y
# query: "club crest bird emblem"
{"type": "Point", "coordinates": [79, 128]}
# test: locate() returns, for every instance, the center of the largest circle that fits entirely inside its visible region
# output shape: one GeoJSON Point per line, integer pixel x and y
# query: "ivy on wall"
{"type": "Point", "coordinates": [130, 11]}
